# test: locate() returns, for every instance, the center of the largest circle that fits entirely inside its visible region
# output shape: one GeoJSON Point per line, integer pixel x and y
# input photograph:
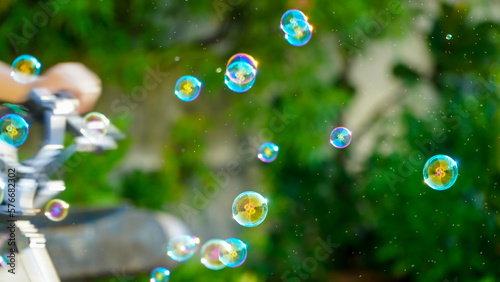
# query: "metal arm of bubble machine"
{"type": "Point", "coordinates": [34, 188]}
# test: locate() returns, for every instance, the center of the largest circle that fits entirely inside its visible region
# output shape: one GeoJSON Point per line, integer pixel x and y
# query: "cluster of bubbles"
{"type": "Point", "coordinates": [95, 126]}
{"type": "Point", "coordinates": [298, 31]}
{"type": "Point", "coordinates": [216, 254]}
{"type": "Point", "coordinates": [187, 88]}
{"type": "Point", "coordinates": [56, 210]}
{"type": "Point", "coordinates": [340, 137]}
{"type": "Point", "coordinates": [240, 73]}
{"type": "Point", "coordinates": [159, 274]}
{"type": "Point", "coordinates": [25, 69]}
{"type": "Point", "coordinates": [249, 209]}
{"type": "Point", "coordinates": [14, 129]}
{"type": "Point", "coordinates": [268, 152]}
{"type": "Point", "coordinates": [440, 172]}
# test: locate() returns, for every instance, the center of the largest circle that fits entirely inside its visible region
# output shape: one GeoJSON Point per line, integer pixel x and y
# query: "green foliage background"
{"type": "Point", "coordinates": [387, 222]}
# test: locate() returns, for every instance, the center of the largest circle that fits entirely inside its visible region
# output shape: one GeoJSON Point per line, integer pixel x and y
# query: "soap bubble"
{"type": "Point", "coordinates": [249, 209]}
{"type": "Point", "coordinates": [268, 152]}
{"type": "Point", "coordinates": [56, 210]}
{"type": "Point", "coordinates": [25, 69]}
{"type": "Point", "coordinates": [440, 172]}
{"type": "Point", "coordinates": [240, 73]}
{"type": "Point", "coordinates": [95, 125]}
{"type": "Point", "coordinates": [301, 38]}
{"type": "Point", "coordinates": [292, 22]}
{"type": "Point", "coordinates": [14, 129]}
{"type": "Point", "coordinates": [159, 274]}
{"type": "Point", "coordinates": [210, 254]}
{"type": "Point", "coordinates": [340, 137]}
{"type": "Point", "coordinates": [233, 252]}
{"type": "Point", "coordinates": [182, 247]}
{"type": "Point", "coordinates": [187, 88]}
{"type": "Point", "coordinates": [449, 37]}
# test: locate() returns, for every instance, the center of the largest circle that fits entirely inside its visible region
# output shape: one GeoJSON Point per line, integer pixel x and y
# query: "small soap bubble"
{"type": "Point", "coordinates": [240, 73]}
{"type": "Point", "coordinates": [182, 247]}
{"type": "Point", "coordinates": [449, 37]}
{"type": "Point", "coordinates": [95, 125]}
{"type": "Point", "coordinates": [340, 137]}
{"type": "Point", "coordinates": [56, 210]}
{"type": "Point", "coordinates": [302, 38]}
{"type": "Point", "coordinates": [268, 152]}
{"type": "Point", "coordinates": [177, 58]}
{"type": "Point", "coordinates": [233, 252]}
{"type": "Point", "coordinates": [210, 254]}
{"type": "Point", "coordinates": [14, 129]}
{"type": "Point", "coordinates": [218, 70]}
{"type": "Point", "coordinates": [187, 88]}
{"type": "Point", "coordinates": [25, 69]}
{"type": "Point", "coordinates": [292, 22]}
{"type": "Point", "coordinates": [249, 209]}
{"type": "Point", "coordinates": [440, 172]}
{"type": "Point", "coordinates": [159, 274]}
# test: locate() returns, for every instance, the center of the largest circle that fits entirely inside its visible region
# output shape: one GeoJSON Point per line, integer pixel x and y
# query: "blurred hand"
{"type": "Point", "coordinates": [74, 78]}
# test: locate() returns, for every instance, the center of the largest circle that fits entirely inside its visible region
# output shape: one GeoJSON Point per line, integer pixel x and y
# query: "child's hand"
{"type": "Point", "coordinates": [74, 78]}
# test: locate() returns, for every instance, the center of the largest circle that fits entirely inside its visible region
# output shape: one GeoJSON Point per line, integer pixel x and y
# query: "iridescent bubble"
{"type": "Point", "coordinates": [14, 129]}
{"type": "Point", "coordinates": [187, 88]}
{"type": "Point", "coordinates": [25, 69]}
{"type": "Point", "coordinates": [449, 37]}
{"type": "Point", "coordinates": [302, 38]}
{"type": "Point", "coordinates": [249, 209]}
{"type": "Point", "coordinates": [56, 210]}
{"type": "Point", "coordinates": [210, 254]}
{"type": "Point", "coordinates": [340, 137]}
{"type": "Point", "coordinates": [440, 172]}
{"type": "Point", "coordinates": [95, 125]}
{"type": "Point", "coordinates": [292, 22]}
{"type": "Point", "coordinates": [233, 252]}
{"type": "Point", "coordinates": [268, 152]}
{"type": "Point", "coordinates": [159, 274]}
{"type": "Point", "coordinates": [240, 73]}
{"type": "Point", "coordinates": [182, 247]}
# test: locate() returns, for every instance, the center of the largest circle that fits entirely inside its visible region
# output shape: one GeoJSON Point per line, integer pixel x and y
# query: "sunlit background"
{"type": "Point", "coordinates": [410, 79]}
